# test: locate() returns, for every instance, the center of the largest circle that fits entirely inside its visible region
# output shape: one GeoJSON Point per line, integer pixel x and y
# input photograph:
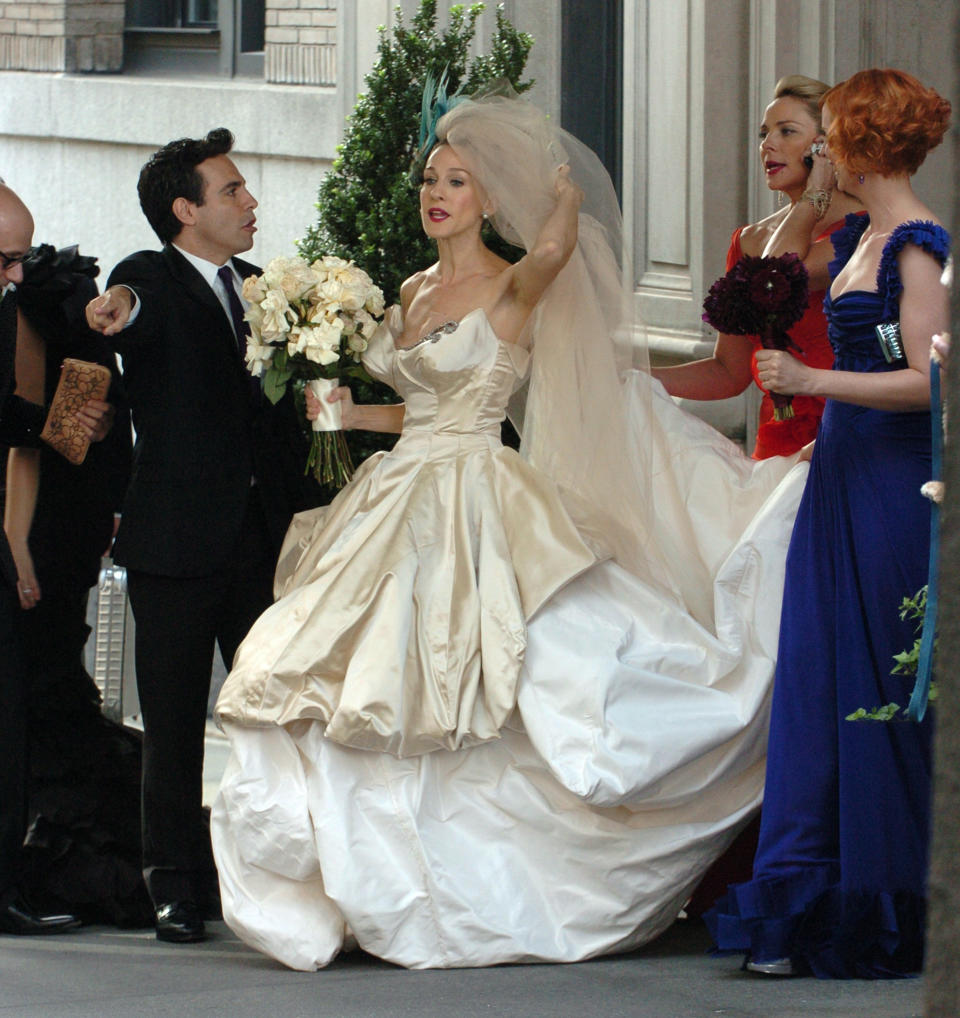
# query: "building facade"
{"type": "Point", "coordinates": [669, 92]}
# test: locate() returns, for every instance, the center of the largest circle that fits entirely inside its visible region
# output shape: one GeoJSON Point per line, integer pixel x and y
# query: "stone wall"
{"type": "Point", "coordinates": [61, 35]}
{"type": "Point", "coordinates": [301, 42]}
{"type": "Point", "coordinates": [72, 146]}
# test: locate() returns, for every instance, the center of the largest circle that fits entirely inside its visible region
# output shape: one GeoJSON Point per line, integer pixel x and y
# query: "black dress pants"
{"type": "Point", "coordinates": [13, 742]}
{"type": "Point", "coordinates": [178, 622]}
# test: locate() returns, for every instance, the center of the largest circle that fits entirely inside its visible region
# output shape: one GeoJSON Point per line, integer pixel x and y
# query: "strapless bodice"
{"type": "Point", "coordinates": [455, 382]}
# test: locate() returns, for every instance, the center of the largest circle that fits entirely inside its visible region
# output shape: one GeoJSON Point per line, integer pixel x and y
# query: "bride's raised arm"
{"type": "Point", "coordinates": [554, 244]}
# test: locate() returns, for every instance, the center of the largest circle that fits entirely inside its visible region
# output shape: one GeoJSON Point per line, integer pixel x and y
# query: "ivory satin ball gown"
{"type": "Point", "coordinates": [462, 735]}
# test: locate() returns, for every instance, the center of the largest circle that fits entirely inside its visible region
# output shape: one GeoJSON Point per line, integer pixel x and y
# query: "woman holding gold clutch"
{"type": "Point", "coordinates": [83, 848]}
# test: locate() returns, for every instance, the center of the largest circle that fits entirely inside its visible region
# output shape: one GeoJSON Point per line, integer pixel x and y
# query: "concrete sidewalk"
{"type": "Point", "coordinates": [105, 973]}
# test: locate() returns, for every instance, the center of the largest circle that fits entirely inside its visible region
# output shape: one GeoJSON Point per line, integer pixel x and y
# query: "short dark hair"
{"type": "Point", "coordinates": [171, 173]}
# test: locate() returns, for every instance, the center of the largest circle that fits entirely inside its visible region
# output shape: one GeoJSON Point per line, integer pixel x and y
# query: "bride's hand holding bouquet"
{"type": "Point", "coordinates": [341, 396]}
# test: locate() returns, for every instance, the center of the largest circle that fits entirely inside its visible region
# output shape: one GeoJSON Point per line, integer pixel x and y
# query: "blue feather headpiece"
{"type": "Point", "coordinates": [435, 103]}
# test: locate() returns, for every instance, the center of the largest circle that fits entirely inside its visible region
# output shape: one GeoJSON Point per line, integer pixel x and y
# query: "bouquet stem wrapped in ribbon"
{"type": "Point", "coordinates": [761, 296]}
{"type": "Point", "coordinates": [309, 324]}
{"type": "Point", "coordinates": [329, 456]}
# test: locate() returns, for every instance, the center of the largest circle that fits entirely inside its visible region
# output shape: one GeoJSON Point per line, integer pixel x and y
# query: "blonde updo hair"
{"type": "Point", "coordinates": [808, 90]}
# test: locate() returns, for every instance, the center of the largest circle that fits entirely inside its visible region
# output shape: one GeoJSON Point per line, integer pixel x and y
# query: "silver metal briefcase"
{"type": "Point", "coordinates": [113, 655]}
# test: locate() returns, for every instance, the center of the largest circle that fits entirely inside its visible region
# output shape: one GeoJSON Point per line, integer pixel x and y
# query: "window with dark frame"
{"type": "Point", "coordinates": [174, 37]}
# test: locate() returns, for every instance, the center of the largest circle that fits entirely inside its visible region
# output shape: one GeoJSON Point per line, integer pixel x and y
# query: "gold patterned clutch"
{"type": "Point", "coordinates": [79, 381]}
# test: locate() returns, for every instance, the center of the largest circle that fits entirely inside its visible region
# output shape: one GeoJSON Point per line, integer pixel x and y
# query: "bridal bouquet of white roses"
{"type": "Point", "coordinates": [309, 324]}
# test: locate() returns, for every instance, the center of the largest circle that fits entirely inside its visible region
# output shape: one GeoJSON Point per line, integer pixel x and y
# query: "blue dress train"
{"type": "Point", "coordinates": [839, 877]}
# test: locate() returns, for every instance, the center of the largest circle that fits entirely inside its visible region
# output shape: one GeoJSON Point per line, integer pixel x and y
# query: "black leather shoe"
{"type": "Point", "coordinates": [180, 922]}
{"type": "Point", "coordinates": [19, 918]}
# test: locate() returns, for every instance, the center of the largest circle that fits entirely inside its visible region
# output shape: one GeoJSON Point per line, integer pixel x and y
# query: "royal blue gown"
{"type": "Point", "coordinates": [839, 876]}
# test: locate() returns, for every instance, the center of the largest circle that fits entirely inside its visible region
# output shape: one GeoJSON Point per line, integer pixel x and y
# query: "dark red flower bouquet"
{"type": "Point", "coordinates": [761, 296]}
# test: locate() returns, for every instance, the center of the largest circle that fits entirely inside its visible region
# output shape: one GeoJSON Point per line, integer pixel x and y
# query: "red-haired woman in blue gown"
{"type": "Point", "coordinates": [839, 878]}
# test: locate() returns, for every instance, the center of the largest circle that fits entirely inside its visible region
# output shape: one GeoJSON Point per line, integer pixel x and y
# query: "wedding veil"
{"type": "Point", "coordinates": [576, 426]}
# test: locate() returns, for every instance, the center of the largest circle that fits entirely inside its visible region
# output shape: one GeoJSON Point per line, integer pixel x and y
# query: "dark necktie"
{"type": "Point", "coordinates": [240, 328]}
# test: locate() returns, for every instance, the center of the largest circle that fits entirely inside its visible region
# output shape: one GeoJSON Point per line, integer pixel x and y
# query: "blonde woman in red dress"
{"type": "Point", "coordinates": [790, 133]}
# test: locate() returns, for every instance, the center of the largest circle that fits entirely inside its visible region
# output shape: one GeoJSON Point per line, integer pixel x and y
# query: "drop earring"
{"type": "Point", "coordinates": [860, 179]}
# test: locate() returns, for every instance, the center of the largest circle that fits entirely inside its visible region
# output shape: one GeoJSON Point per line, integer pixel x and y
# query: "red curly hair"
{"type": "Point", "coordinates": [884, 121]}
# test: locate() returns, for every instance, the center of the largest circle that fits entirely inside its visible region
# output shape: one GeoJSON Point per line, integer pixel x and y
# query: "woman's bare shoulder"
{"type": "Point", "coordinates": [410, 286]}
{"type": "Point", "coordinates": [755, 236]}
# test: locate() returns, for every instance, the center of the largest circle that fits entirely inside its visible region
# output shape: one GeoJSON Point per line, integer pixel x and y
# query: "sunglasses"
{"type": "Point", "coordinates": [8, 261]}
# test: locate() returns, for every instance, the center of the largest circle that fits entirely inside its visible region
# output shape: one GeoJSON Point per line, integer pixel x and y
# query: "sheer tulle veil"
{"type": "Point", "coordinates": [575, 425]}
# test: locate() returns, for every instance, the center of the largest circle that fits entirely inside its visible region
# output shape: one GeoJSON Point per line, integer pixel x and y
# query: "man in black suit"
{"type": "Point", "coordinates": [20, 424]}
{"type": "Point", "coordinates": [217, 473]}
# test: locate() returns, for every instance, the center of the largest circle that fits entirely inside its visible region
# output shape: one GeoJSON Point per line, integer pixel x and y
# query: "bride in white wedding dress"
{"type": "Point", "coordinates": [506, 707]}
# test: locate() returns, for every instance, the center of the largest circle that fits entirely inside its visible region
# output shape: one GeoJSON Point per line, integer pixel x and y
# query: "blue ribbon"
{"type": "Point", "coordinates": [921, 688]}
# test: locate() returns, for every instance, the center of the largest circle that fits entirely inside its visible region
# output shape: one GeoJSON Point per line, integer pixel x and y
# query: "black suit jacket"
{"type": "Point", "coordinates": [20, 421]}
{"type": "Point", "coordinates": [199, 435]}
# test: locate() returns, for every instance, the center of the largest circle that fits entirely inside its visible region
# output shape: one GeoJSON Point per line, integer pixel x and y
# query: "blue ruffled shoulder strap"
{"type": "Point", "coordinates": [845, 241]}
{"type": "Point", "coordinates": [932, 238]}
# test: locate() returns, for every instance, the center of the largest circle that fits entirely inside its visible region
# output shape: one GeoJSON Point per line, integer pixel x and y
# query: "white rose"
{"type": "Point", "coordinates": [330, 263]}
{"type": "Point", "coordinates": [258, 356]}
{"type": "Point", "coordinates": [333, 330]}
{"type": "Point", "coordinates": [298, 283]}
{"type": "Point", "coordinates": [275, 307]}
{"type": "Point", "coordinates": [291, 275]}
{"type": "Point", "coordinates": [365, 323]}
{"type": "Point", "coordinates": [300, 338]}
{"type": "Point", "coordinates": [317, 313]}
{"type": "Point", "coordinates": [323, 355]}
{"type": "Point", "coordinates": [356, 344]}
{"type": "Point", "coordinates": [348, 275]}
{"type": "Point", "coordinates": [276, 269]}
{"type": "Point", "coordinates": [353, 296]}
{"type": "Point", "coordinates": [254, 317]}
{"type": "Point", "coordinates": [254, 289]}
{"type": "Point", "coordinates": [363, 279]}
{"type": "Point", "coordinates": [319, 342]}
{"type": "Point", "coordinates": [330, 293]}
{"type": "Point", "coordinates": [374, 302]}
